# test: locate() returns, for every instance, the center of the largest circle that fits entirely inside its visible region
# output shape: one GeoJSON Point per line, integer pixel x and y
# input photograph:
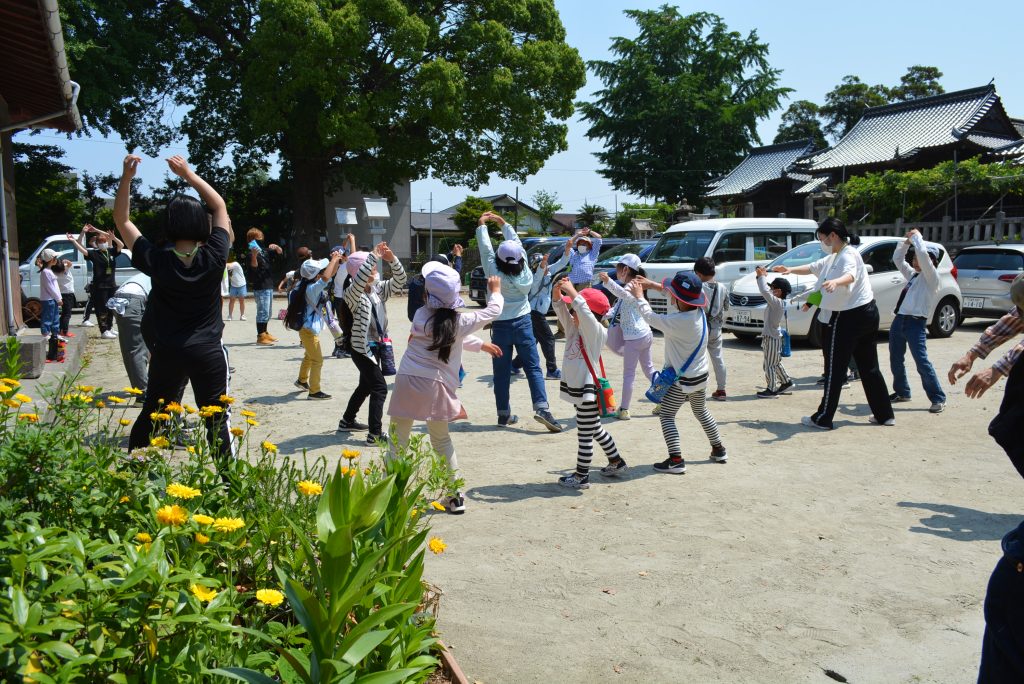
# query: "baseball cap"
{"type": "Point", "coordinates": [686, 287]}
{"type": "Point", "coordinates": [510, 251]}
{"type": "Point", "coordinates": [311, 268]}
{"type": "Point", "coordinates": [595, 299]}
{"type": "Point", "coordinates": [47, 255]}
{"type": "Point", "coordinates": [630, 260]}
{"type": "Point", "coordinates": [442, 283]}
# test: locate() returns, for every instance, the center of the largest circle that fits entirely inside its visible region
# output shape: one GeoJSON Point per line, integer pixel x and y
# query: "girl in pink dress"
{"type": "Point", "coordinates": [429, 373]}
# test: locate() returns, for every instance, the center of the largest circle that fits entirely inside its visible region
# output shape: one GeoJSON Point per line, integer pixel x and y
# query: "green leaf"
{"type": "Point", "coordinates": [59, 648]}
{"type": "Point", "coordinates": [389, 677]}
{"type": "Point", "coordinates": [358, 649]}
{"type": "Point", "coordinates": [19, 606]}
{"type": "Point", "coordinates": [374, 503]}
{"type": "Point", "coordinates": [242, 674]}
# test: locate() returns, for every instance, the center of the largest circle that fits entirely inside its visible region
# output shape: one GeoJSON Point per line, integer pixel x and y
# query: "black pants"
{"type": "Point", "coordinates": [67, 300]}
{"type": "Point", "coordinates": [99, 294]}
{"type": "Point", "coordinates": [372, 385]}
{"type": "Point", "coordinates": [546, 340]}
{"type": "Point", "coordinates": [1005, 428]}
{"type": "Point", "coordinates": [854, 333]}
{"type": "Point", "coordinates": [206, 367]}
{"type": "Point", "coordinates": [1002, 647]}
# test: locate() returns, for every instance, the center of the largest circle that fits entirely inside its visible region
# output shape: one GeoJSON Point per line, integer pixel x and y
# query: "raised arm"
{"type": "Point", "coordinates": [483, 243]}
{"type": "Point", "coordinates": [899, 259]}
{"type": "Point", "coordinates": [471, 321]}
{"type": "Point", "coordinates": [927, 267]}
{"type": "Point", "coordinates": [396, 282]}
{"type": "Point", "coordinates": [214, 202]}
{"type": "Point", "coordinates": [76, 243]}
{"type": "Point", "coordinates": [122, 201]}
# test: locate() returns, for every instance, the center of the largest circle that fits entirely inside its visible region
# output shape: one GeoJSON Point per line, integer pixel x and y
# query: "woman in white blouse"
{"type": "Point", "coordinates": [851, 318]}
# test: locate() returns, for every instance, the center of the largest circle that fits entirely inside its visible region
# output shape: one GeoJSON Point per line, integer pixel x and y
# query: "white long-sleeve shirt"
{"type": "Point", "coordinates": [577, 386]}
{"type": "Point", "coordinates": [683, 331]}
{"type": "Point", "coordinates": [634, 327]}
{"type": "Point", "coordinates": [922, 287]}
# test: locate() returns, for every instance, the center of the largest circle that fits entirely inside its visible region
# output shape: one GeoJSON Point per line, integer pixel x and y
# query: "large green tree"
{"type": "Point", "coordinates": [801, 121]}
{"type": "Point", "coordinates": [369, 92]}
{"type": "Point", "coordinates": [919, 81]}
{"type": "Point", "coordinates": [49, 200]}
{"type": "Point", "coordinates": [547, 205]}
{"type": "Point", "coordinates": [845, 104]}
{"type": "Point", "coordinates": [680, 102]}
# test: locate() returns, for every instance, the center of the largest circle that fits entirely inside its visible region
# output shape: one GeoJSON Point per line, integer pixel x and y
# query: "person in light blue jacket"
{"type": "Point", "coordinates": [513, 329]}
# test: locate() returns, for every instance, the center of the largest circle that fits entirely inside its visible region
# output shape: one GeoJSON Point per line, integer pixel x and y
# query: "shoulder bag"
{"type": "Point", "coordinates": [665, 378]}
{"type": "Point", "coordinates": [382, 348]}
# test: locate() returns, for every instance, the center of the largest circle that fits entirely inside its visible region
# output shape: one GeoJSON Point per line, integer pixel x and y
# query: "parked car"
{"type": "Point", "coordinates": [985, 274]}
{"type": "Point", "coordinates": [642, 248]}
{"type": "Point", "coordinates": [80, 269]}
{"type": "Point", "coordinates": [737, 245]}
{"type": "Point", "coordinates": [553, 246]}
{"type": "Point", "coordinates": [746, 305]}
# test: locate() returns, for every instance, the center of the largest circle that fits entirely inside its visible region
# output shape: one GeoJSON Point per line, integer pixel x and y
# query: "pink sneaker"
{"type": "Point", "coordinates": [718, 395]}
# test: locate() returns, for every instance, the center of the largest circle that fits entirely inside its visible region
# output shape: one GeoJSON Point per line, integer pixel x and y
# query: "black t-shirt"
{"type": "Point", "coordinates": [103, 265]}
{"type": "Point", "coordinates": [261, 275]}
{"type": "Point", "coordinates": [184, 307]}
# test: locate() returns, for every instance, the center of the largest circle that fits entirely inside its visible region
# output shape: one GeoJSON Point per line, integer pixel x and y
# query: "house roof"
{"type": "Point", "coordinates": [504, 200]}
{"type": "Point", "coordinates": [34, 78]}
{"type": "Point", "coordinates": [900, 131]}
{"type": "Point", "coordinates": [421, 221]}
{"type": "Point", "coordinates": [812, 185]}
{"type": "Point", "coordinates": [1013, 151]}
{"type": "Point", "coordinates": [763, 164]}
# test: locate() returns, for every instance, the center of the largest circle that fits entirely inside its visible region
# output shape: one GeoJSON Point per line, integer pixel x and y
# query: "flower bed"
{"type": "Point", "coordinates": [142, 567]}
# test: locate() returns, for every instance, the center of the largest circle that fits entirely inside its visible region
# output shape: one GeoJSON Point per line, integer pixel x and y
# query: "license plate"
{"type": "Point", "coordinates": [474, 294]}
{"type": "Point", "coordinates": [742, 316]}
{"type": "Point", "coordinates": [974, 302]}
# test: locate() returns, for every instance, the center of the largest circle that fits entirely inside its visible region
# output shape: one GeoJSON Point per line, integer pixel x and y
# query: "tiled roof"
{"type": "Point", "coordinates": [761, 165]}
{"type": "Point", "coordinates": [811, 186]}
{"type": "Point", "coordinates": [1019, 125]}
{"type": "Point", "coordinates": [1012, 151]}
{"type": "Point", "coordinates": [901, 130]}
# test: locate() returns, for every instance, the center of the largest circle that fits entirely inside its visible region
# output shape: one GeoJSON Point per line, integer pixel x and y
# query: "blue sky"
{"type": "Point", "coordinates": [815, 44]}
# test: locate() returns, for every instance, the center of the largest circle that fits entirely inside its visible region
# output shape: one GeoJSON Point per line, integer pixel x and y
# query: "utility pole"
{"type": "Point", "coordinates": [515, 219]}
{"type": "Point", "coordinates": [430, 223]}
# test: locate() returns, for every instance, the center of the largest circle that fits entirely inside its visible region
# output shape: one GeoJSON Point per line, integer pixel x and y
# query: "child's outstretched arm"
{"type": "Point", "coordinates": [483, 243]}
{"type": "Point", "coordinates": [122, 201]}
{"type": "Point", "coordinates": [560, 308]}
{"type": "Point", "coordinates": [766, 292]}
{"type": "Point", "coordinates": [396, 282]}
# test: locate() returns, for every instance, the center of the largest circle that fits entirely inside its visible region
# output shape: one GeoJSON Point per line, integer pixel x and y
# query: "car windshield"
{"type": "Point", "coordinates": [548, 246]}
{"type": "Point", "coordinates": [800, 256]}
{"type": "Point", "coordinates": [612, 256]}
{"type": "Point", "coordinates": [681, 246]}
{"type": "Point", "coordinates": [994, 260]}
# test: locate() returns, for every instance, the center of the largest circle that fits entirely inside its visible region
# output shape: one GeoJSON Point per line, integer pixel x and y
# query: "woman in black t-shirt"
{"type": "Point", "coordinates": [182, 325]}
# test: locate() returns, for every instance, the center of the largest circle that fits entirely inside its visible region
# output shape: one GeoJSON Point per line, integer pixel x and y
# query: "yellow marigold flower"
{"type": "Point", "coordinates": [213, 409]}
{"type": "Point", "coordinates": [228, 524]}
{"type": "Point", "coordinates": [124, 499]}
{"type": "Point", "coordinates": [252, 422]}
{"type": "Point", "coordinates": [171, 515]}
{"type": "Point", "coordinates": [413, 513]}
{"type": "Point", "coordinates": [29, 417]}
{"type": "Point", "coordinates": [86, 388]}
{"type": "Point", "coordinates": [134, 391]}
{"type": "Point", "coordinates": [23, 398]}
{"type": "Point", "coordinates": [10, 381]}
{"type": "Point", "coordinates": [437, 545]}
{"type": "Point", "coordinates": [436, 506]}
{"type": "Point", "coordinates": [174, 407]}
{"type": "Point", "coordinates": [160, 442]}
{"type": "Point", "coordinates": [202, 519]}
{"type": "Point", "coordinates": [100, 404]}
{"type": "Point", "coordinates": [4, 389]}
{"type": "Point", "coordinates": [190, 409]}
{"type": "Point", "coordinates": [201, 538]}
{"type": "Point", "coordinates": [190, 449]}
{"type": "Point", "coordinates": [227, 399]}
{"type": "Point", "coordinates": [309, 488]}
{"type": "Point", "coordinates": [125, 422]}
{"type": "Point", "coordinates": [269, 446]}
{"type": "Point", "coordinates": [12, 403]}
{"type": "Point", "coordinates": [269, 597]}
{"type": "Point", "coordinates": [204, 594]}
{"type": "Point", "coordinates": [237, 432]}
{"type": "Point", "coordinates": [180, 491]}
{"type": "Point", "coordinates": [159, 416]}
{"type": "Point", "coordinates": [350, 454]}
{"type": "Point", "coordinates": [143, 537]}
{"type": "Point", "coordinates": [345, 470]}
{"type": "Point", "coordinates": [115, 399]}
{"type": "Point", "coordinates": [246, 413]}
{"type": "Point", "coordinates": [206, 414]}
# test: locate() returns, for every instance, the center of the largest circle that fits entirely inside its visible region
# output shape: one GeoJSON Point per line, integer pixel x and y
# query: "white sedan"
{"type": "Point", "coordinates": [745, 316]}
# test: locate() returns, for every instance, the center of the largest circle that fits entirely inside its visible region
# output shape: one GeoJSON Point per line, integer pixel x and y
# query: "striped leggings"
{"type": "Point", "coordinates": [588, 429]}
{"type": "Point", "coordinates": [670, 405]}
{"type": "Point", "coordinates": [774, 372]}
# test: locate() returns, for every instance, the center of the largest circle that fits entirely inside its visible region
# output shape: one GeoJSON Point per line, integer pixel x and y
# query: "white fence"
{"type": "Point", "coordinates": [954, 234]}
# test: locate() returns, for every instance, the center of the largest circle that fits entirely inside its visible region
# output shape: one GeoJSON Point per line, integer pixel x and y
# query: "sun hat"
{"type": "Point", "coordinates": [47, 255]}
{"type": "Point", "coordinates": [595, 299]}
{"type": "Point", "coordinates": [1017, 291]}
{"type": "Point", "coordinates": [311, 268]}
{"type": "Point", "coordinates": [510, 251]}
{"type": "Point", "coordinates": [686, 287]}
{"type": "Point", "coordinates": [630, 260]}
{"type": "Point", "coordinates": [355, 262]}
{"type": "Point", "coordinates": [442, 284]}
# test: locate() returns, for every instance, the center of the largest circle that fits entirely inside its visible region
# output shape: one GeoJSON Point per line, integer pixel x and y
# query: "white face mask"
{"type": "Point", "coordinates": [824, 245]}
{"type": "Point", "coordinates": [582, 250]}
{"type": "Point", "coordinates": [102, 246]}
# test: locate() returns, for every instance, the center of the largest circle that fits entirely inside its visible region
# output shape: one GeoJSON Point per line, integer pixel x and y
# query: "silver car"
{"type": "Point", "coordinates": [985, 274]}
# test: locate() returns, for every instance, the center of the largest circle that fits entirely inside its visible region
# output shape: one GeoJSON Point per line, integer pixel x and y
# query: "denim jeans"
{"type": "Point", "coordinates": [263, 299]}
{"type": "Point", "coordinates": [517, 334]}
{"type": "Point", "coordinates": [49, 322]}
{"type": "Point", "coordinates": [542, 333]}
{"type": "Point", "coordinates": [907, 331]}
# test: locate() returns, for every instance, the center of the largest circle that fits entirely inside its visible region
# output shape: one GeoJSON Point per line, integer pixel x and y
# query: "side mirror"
{"type": "Point", "coordinates": [870, 268]}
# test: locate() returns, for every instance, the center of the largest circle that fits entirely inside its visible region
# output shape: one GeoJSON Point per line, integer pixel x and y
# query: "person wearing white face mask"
{"type": "Point", "coordinates": [103, 259]}
{"type": "Point", "coordinates": [849, 312]}
{"type": "Point", "coordinates": [587, 246]}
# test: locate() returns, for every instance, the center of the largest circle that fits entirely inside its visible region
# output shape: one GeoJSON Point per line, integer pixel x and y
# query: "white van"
{"type": "Point", "coordinates": [737, 245]}
{"type": "Point", "coordinates": [81, 269]}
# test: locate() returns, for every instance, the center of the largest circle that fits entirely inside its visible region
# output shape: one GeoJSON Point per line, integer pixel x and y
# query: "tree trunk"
{"type": "Point", "coordinates": [309, 216]}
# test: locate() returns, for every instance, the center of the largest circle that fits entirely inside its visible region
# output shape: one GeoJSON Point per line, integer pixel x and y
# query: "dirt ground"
{"type": "Point", "coordinates": [864, 551]}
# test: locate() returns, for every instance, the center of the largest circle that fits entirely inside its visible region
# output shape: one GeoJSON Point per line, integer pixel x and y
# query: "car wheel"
{"type": "Point", "coordinates": [946, 318]}
{"type": "Point", "coordinates": [32, 312]}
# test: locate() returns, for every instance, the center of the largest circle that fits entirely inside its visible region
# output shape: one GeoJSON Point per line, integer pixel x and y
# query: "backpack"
{"type": "Point", "coordinates": [295, 315]}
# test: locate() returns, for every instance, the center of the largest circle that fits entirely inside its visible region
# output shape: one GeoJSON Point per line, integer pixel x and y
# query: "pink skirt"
{"type": "Point", "coordinates": [424, 399]}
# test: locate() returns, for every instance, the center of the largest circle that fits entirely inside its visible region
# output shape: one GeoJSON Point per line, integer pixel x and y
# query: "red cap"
{"type": "Point", "coordinates": [595, 299]}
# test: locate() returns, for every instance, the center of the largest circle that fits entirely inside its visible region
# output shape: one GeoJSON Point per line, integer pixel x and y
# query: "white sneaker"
{"type": "Point", "coordinates": [229, 318]}
{"type": "Point", "coordinates": [887, 423]}
{"type": "Point", "coordinates": [107, 335]}
{"type": "Point", "coordinates": [623, 414]}
{"type": "Point", "coordinates": [242, 318]}
{"type": "Point", "coordinates": [88, 324]}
